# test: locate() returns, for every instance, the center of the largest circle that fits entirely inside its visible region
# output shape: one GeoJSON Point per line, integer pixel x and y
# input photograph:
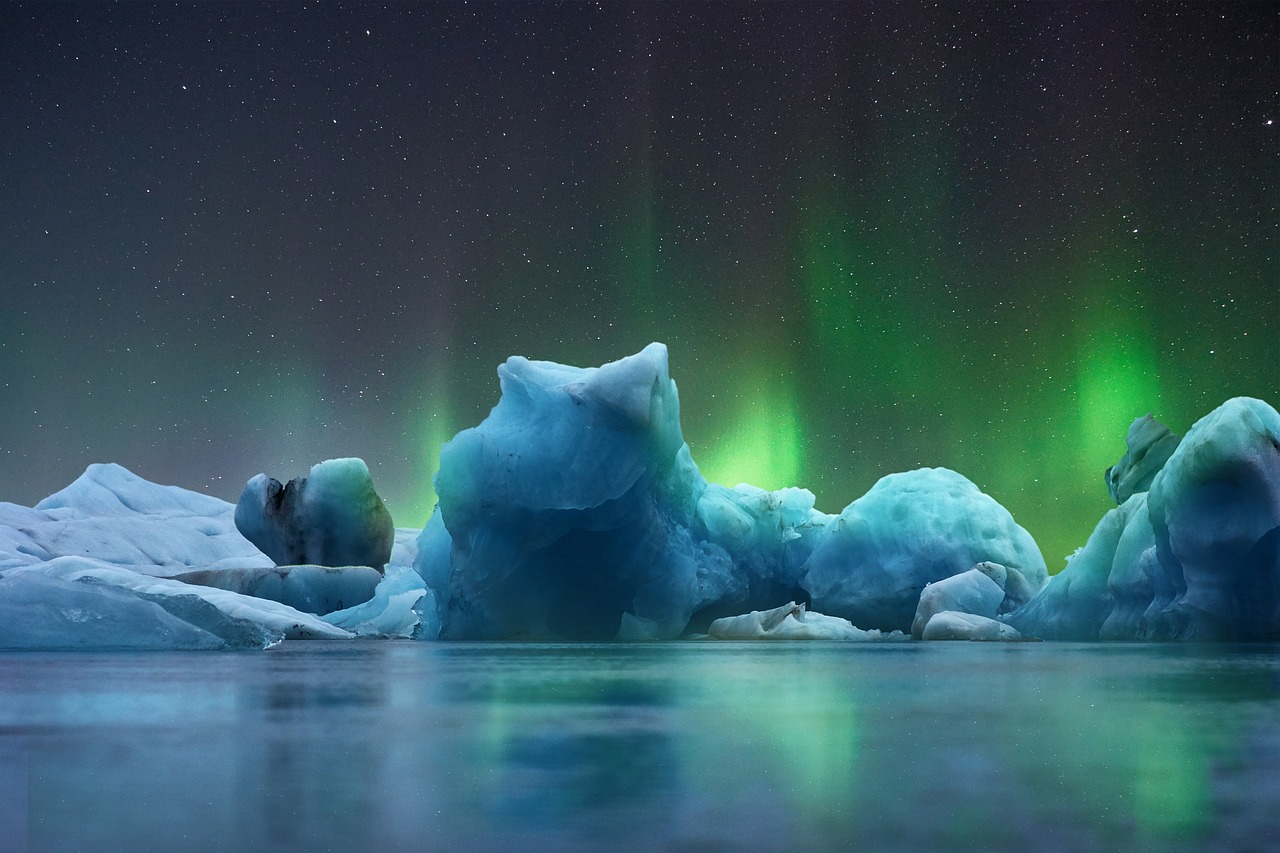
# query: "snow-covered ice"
{"type": "Point", "coordinates": [972, 592]}
{"type": "Point", "coordinates": [238, 621]}
{"type": "Point", "coordinates": [957, 625]}
{"type": "Point", "coordinates": [113, 515]}
{"type": "Point", "coordinates": [39, 611]}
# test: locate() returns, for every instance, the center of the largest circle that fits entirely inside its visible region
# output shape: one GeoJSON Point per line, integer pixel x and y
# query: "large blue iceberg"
{"type": "Point", "coordinates": [575, 511]}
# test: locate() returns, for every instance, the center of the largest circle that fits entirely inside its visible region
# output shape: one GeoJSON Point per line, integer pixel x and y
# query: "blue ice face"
{"type": "Point", "coordinates": [1195, 557]}
{"type": "Point", "coordinates": [574, 511]}
{"type": "Point", "coordinates": [558, 506]}
{"type": "Point", "coordinates": [1149, 444]}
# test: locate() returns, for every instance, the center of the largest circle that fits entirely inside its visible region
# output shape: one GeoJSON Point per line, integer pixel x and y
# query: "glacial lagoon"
{"type": "Point", "coordinates": [689, 746]}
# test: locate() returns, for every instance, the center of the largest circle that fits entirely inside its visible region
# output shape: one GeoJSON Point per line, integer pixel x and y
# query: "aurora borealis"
{"type": "Point", "coordinates": [875, 236]}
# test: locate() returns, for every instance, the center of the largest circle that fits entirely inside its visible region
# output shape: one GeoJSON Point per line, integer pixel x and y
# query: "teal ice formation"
{"type": "Point", "coordinates": [332, 517]}
{"type": "Point", "coordinates": [1196, 556]}
{"type": "Point", "coordinates": [575, 511]}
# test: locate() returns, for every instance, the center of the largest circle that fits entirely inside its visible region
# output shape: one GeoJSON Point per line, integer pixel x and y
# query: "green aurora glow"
{"type": "Point", "coordinates": [874, 236]}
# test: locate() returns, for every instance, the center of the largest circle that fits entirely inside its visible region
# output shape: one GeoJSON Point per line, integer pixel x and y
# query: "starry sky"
{"type": "Point", "coordinates": [875, 236]}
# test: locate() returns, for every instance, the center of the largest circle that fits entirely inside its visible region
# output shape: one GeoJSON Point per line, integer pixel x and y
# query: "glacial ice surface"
{"type": "Point", "coordinates": [552, 506]}
{"type": "Point", "coordinates": [39, 611]}
{"type": "Point", "coordinates": [575, 511]}
{"type": "Point", "coordinates": [113, 515]}
{"type": "Point", "coordinates": [394, 610]}
{"type": "Point", "coordinates": [311, 589]}
{"type": "Point", "coordinates": [973, 592]}
{"type": "Point", "coordinates": [958, 625]}
{"type": "Point", "coordinates": [240, 620]}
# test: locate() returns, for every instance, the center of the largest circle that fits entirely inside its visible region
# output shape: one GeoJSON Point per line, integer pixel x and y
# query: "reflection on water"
{"type": "Point", "coordinates": [679, 746]}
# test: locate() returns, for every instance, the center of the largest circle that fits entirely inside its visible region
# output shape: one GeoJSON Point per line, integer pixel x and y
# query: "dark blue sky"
{"type": "Point", "coordinates": [247, 237]}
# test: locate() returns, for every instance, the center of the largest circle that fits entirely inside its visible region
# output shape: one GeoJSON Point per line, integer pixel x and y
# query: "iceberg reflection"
{"type": "Point", "coordinates": [693, 745]}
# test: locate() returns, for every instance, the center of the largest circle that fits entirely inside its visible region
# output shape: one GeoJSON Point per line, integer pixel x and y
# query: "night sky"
{"type": "Point", "coordinates": [248, 237]}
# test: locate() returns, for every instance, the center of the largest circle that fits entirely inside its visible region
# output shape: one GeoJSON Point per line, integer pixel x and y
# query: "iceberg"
{"type": "Point", "coordinates": [113, 515]}
{"type": "Point", "coordinates": [793, 622]}
{"type": "Point", "coordinates": [561, 507]}
{"type": "Point", "coordinates": [38, 611]}
{"type": "Point", "coordinates": [988, 590]}
{"type": "Point", "coordinates": [333, 517]}
{"type": "Point", "coordinates": [114, 561]}
{"type": "Point", "coordinates": [1196, 557]}
{"type": "Point", "coordinates": [973, 592]}
{"type": "Point", "coordinates": [227, 614]}
{"type": "Point", "coordinates": [234, 620]}
{"type": "Point", "coordinates": [576, 511]}
{"type": "Point", "coordinates": [393, 612]}
{"type": "Point", "coordinates": [910, 530]}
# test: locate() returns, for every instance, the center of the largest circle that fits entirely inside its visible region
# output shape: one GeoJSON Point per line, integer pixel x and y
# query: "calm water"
{"type": "Point", "coordinates": [676, 746]}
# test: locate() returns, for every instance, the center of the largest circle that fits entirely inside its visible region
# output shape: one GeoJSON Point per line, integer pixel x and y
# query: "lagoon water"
{"type": "Point", "coordinates": [697, 746]}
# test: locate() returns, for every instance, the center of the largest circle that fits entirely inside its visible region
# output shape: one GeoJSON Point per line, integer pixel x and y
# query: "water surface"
{"type": "Point", "coordinates": [675, 746]}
